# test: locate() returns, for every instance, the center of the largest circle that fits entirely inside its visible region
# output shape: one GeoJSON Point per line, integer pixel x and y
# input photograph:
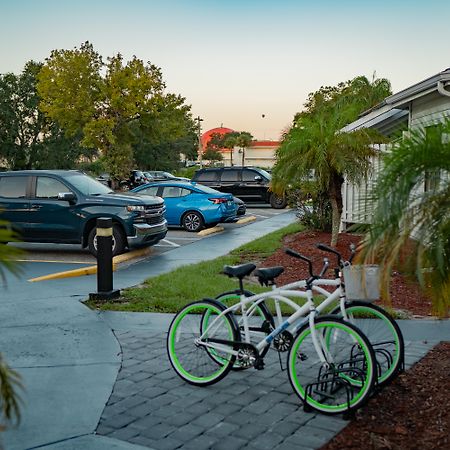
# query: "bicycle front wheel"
{"type": "Point", "coordinates": [383, 333]}
{"type": "Point", "coordinates": [202, 360]}
{"type": "Point", "coordinates": [345, 380]}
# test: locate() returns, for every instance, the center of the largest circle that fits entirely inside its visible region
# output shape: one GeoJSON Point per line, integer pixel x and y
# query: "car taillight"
{"type": "Point", "coordinates": [216, 201]}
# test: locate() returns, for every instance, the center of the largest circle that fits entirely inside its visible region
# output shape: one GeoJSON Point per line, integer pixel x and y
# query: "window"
{"type": "Point", "coordinates": [172, 192]}
{"type": "Point", "coordinates": [13, 187]}
{"type": "Point", "coordinates": [49, 188]}
{"type": "Point", "coordinates": [249, 175]}
{"type": "Point", "coordinates": [230, 175]}
{"type": "Point", "coordinates": [207, 176]}
{"type": "Point", "coordinates": [149, 191]}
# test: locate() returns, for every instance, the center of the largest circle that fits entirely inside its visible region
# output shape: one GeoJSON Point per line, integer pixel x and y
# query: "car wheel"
{"type": "Point", "coordinates": [118, 241]}
{"type": "Point", "coordinates": [192, 221]}
{"type": "Point", "coordinates": [277, 202]}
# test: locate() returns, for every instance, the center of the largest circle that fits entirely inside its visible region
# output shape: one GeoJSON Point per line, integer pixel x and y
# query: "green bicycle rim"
{"type": "Point", "coordinates": [313, 402]}
{"type": "Point", "coordinates": [180, 369]}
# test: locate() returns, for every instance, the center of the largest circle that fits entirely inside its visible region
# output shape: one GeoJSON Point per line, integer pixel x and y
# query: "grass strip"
{"type": "Point", "coordinates": [169, 292]}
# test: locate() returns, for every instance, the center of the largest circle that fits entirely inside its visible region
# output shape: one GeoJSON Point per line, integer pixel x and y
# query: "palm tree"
{"type": "Point", "coordinates": [413, 205]}
{"type": "Point", "coordinates": [243, 140]}
{"type": "Point", "coordinates": [10, 381]}
{"type": "Point", "coordinates": [316, 144]}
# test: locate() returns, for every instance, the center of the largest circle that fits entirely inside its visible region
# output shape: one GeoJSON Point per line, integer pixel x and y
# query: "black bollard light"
{"type": "Point", "coordinates": [104, 262]}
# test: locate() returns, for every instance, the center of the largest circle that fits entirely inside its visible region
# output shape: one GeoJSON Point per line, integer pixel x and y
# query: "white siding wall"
{"type": "Point", "coordinates": [429, 110]}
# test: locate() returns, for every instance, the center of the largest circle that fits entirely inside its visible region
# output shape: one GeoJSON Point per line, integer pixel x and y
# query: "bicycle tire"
{"type": "Point", "coordinates": [327, 389]}
{"type": "Point", "coordinates": [265, 324]}
{"type": "Point", "coordinates": [189, 358]}
{"type": "Point", "coordinates": [383, 333]}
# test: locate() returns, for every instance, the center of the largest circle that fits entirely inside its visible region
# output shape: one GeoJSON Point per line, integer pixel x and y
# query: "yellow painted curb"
{"type": "Point", "coordinates": [92, 270]}
{"type": "Point", "coordinates": [210, 231]}
{"type": "Point", "coordinates": [247, 219]}
{"type": "Point", "coordinates": [131, 255]}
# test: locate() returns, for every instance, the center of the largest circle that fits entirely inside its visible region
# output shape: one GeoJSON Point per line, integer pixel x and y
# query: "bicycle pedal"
{"type": "Point", "coordinates": [259, 364]}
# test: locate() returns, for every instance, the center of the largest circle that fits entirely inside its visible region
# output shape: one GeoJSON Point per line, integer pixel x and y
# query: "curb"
{"type": "Point", "coordinates": [246, 219]}
{"type": "Point", "coordinates": [210, 231]}
{"type": "Point", "coordinates": [92, 270]}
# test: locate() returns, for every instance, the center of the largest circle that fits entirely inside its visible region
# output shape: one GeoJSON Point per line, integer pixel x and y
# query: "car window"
{"type": "Point", "coordinates": [230, 175]}
{"type": "Point", "coordinates": [206, 176]}
{"type": "Point", "coordinates": [172, 191]}
{"type": "Point", "coordinates": [47, 187]}
{"type": "Point", "coordinates": [87, 185]}
{"type": "Point", "coordinates": [249, 175]}
{"type": "Point", "coordinates": [13, 187]}
{"type": "Point", "coordinates": [149, 191]}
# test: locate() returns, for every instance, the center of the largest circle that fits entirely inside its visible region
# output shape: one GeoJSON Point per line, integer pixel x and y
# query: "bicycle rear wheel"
{"type": "Point", "coordinates": [383, 333]}
{"type": "Point", "coordinates": [207, 360]}
{"type": "Point", "coordinates": [346, 380]}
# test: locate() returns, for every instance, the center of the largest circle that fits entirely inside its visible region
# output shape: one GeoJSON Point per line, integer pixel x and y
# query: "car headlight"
{"type": "Point", "coordinates": [132, 208]}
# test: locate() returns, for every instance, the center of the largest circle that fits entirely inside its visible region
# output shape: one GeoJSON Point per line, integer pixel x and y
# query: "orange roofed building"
{"type": "Point", "coordinates": [259, 153]}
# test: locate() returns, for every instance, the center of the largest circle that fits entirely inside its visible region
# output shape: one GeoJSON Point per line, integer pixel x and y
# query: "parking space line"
{"type": "Point", "coordinates": [53, 261]}
{"type": "Point", "coordinates": [171, 244]}
{"type": "Point", "coordinates": [260, 215]}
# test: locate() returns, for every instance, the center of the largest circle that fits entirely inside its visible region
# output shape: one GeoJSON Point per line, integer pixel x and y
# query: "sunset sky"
{"type": "Point", "coordinates": [237, 60]}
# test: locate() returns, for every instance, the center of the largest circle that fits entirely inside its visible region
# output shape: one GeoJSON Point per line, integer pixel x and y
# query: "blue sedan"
{"type": "Point", "coordinates": [190, 205]}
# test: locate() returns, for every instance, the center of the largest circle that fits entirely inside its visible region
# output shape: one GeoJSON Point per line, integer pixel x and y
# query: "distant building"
{"type": "Point", "coordinates": [259, 153]}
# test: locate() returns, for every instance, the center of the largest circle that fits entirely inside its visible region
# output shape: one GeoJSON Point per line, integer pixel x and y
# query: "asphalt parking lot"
{"type": "Point", "coordinates": [51, 258]}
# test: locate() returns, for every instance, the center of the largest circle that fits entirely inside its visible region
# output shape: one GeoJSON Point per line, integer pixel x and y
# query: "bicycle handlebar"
{"type": "Point", "coordinates": [290, 252]}
{"type": "Point", "coordinates": [326, 263]}
{"type": "Point", "coordinates": [340, 260]}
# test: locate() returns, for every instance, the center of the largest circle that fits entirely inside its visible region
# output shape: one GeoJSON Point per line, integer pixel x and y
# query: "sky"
{"type": "Point", "coordinates": [248, 65]}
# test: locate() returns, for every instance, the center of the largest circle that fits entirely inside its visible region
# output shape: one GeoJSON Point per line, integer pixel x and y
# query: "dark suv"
{"type": "Point", "coordinates": [61, 206]}
{"type": "Point", "coordinates": [248, 183]}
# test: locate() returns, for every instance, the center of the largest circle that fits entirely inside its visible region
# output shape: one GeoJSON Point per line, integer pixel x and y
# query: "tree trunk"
{"type": "Point", "coordinates": [336, 205]}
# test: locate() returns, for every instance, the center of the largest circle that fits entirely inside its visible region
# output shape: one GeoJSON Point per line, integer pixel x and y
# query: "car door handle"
{"type": "Point", "coordinates": [36, 207]}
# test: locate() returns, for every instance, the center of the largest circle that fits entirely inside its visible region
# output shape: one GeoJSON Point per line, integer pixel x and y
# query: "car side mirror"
{"type": "Point", "coordinates": [258, 178]}
{"type": "Point", "coordinates": [67, 197]}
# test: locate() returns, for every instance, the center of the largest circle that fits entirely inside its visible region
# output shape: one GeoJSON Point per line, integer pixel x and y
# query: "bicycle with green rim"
{"type": "Point", "coordinates": [331, 364]}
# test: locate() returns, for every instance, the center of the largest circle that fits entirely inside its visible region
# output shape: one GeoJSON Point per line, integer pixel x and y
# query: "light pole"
{"type": "Point", "coordinates": [200, 149]}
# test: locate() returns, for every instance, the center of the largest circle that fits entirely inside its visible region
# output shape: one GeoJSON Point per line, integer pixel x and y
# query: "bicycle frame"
{"type": "Point", "coordinates": [282, 294]}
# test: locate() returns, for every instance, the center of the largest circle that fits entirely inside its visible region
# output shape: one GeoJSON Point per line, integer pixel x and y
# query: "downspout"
{"type": "Point", "coordinates": [441, 89]}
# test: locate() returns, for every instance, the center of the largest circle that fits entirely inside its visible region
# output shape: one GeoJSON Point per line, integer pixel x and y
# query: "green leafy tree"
{"type": "Point", "coordinates": [315, 144]}
{"type": "Point", "coordinates": [412, 197]}
{"type": "Point", "coordinates": [116, 107]}
{"type": "Point", "coordinates": [212, 155]}
{"type": "Point", "coordinates": [28, 139]}
{"type": "Point", "coordinates": [161, 136]}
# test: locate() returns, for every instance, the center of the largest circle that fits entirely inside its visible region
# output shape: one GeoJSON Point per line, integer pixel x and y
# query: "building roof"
{"type": "Point", "coordinates": [393, 110]}
{"type": "Point", "coordinates": [206, 136]}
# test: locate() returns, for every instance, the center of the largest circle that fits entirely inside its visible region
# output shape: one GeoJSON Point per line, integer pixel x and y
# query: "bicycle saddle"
{"type": "Point", "coordinates": [239, 271]}
{"type": "Point", "coordinates": [267, 275]}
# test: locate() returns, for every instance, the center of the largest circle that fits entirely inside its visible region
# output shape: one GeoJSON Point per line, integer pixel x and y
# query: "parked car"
{"type": "Point", "coordinates": [62, 206]}
{"type": "Point", "coordinates": [241, 206]}
{"type": "Point", "coordinates": [250, 184]}
{"type": "Point", "coordinates": [136, 178]}
{"type": "Point", "coordinates": [192, 206]}
{"type": "Point", "coordinates": [160, 175]}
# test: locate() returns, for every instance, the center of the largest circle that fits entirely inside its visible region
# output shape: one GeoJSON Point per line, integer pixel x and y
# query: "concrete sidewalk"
{"type": "Point", "coordinates": [68, 357]}
{"type": "Point", "coordinates": [153, 407]}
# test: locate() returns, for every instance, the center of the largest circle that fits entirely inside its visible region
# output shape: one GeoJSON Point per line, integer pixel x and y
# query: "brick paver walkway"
{"type": "Point", "coordinates": [251, 409]}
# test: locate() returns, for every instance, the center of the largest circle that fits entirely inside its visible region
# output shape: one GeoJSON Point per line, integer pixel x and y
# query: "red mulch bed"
{"type": "Point", "coordinates": [405, 294]}
{"type": "Point", "coordinates": [411, 413]}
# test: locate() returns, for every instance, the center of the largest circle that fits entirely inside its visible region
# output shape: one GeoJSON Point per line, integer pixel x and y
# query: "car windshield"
{"type": "Point", "coordinates": [265, 174]}
{"type": "Point", "coordinates": [87, 185]}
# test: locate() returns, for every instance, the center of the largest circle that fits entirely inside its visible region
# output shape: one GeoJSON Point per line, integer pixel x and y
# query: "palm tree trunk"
{"type": "Point", "coordinates": [336, 206]}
